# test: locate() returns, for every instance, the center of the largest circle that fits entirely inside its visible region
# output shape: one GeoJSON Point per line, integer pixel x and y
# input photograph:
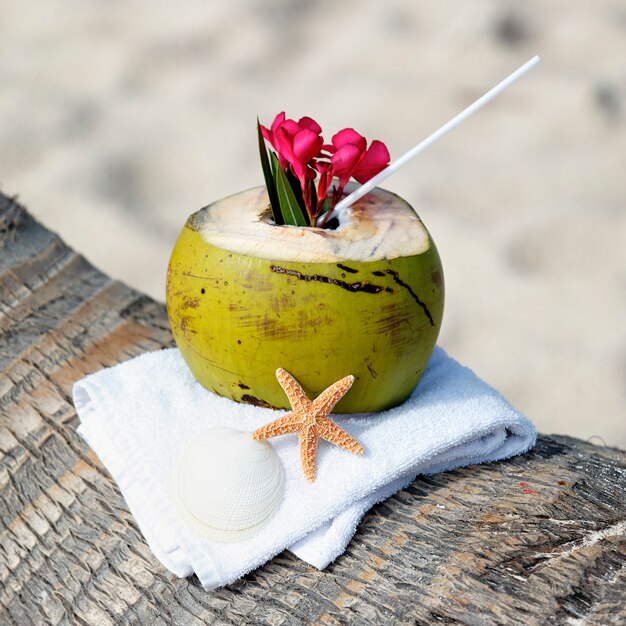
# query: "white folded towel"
{"type": "Point", "coordinates": [139, 415]}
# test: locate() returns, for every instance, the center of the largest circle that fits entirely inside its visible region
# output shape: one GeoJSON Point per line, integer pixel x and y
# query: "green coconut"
{"type": "Point", "coordinates": [245, 297]}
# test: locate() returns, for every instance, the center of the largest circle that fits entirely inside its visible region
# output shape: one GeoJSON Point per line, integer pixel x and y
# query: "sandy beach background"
{"type": "Point", "coordinates": [117, 120]}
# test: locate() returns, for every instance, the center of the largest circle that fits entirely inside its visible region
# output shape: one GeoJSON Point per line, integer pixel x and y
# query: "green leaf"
{"type": "Point", "coordinates": [325, 206]}
{"type": "Point", "coordinates": [295, 186]}
{"type": "Point", "coordinates": [289, 207]}
{"type": "Point", "coordinates": [269, 179]}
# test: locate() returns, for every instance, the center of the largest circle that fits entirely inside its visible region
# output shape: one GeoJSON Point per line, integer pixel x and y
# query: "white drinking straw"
{"type": "Point", "coordinates": [420, 147]}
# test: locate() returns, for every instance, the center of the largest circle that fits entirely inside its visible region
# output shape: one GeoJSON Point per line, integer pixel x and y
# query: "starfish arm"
{"type": "Point", "coordinates": [308, 452]}
{"type": "Point", "coordinates": [326, 401]}
{"type": "Point", "coordinates": [331, 432]}
{"type": "Point", "coordinates": [284, 425]}
{"type": "Point", "coordinates": [298, 399]}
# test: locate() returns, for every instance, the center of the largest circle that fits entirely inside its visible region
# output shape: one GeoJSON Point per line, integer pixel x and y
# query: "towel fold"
{"type": "Point", "coordinates": [139, 415]}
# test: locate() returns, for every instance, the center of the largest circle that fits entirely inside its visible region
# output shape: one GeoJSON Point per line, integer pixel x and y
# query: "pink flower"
{"type": "Point", "coordinates": [325, 170]}
{"type": "Point", "coordinates": [300, 149]}
{"type": "Point", "coordinates": [351, 159]}
{"type": "Point", "coordinates": [296, 144]}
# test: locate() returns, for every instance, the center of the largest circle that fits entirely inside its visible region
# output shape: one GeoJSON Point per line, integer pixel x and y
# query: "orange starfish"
{"type": "Point", "coordinates": [310, 419]}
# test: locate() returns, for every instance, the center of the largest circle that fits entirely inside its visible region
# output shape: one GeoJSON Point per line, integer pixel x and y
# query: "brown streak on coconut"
{"type": "Point", "coordinates": [400, 282]}
{"type": "Point", "coordinates": [237, 307]}
{"type": "Point", "coordinates": [437, 278]}
{"type": "Point", "coordinates": [397, 325]}
{"type": "Point", "coordinates": [184, 321]}
{"type": "Point", "coordinates": [365, 286]}
{"type": "Point", "coordinates": [190, 303]}
{"type": "Point", "coordinates": [249, 399]}
{"type": "Point", "coordinates": [267, 327]}
{"type": "Point", "coordinates": [396, 318]}
{"type": "Point", "coordinates": [370, 369]}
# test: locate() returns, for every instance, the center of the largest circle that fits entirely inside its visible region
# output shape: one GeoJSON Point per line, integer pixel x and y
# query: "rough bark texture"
{"type": "Point", "coordinates": [538, 539]}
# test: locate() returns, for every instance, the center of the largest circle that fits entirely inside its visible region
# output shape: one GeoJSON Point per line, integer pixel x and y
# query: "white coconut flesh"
{"type": "Point", "coordinates": [379, 226]}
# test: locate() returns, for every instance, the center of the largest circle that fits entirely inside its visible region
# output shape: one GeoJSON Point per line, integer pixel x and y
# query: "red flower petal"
{"type": "Point", "coordinates": [343, 162]}
{"type": "Point", "coordinates": [310, 123]}
{"type": "Point", "coordinates": [349, 136]}
{"type": "Point", "coordinates": [290, 127]}
{"type": "Point", "coordinates": [326, 177]}
{"type": "Point", "coordinates": [278, 120]}
{"type": "Point", "coordinates": [306, 145]}
{"type": "Point", "coordinates": [309, 173]}
{"type": "Point", "coordinates": [284, 145]}
{"type": "Point", "coordinates": [374, 160]}
{"type": "Point", "coordinates": [320, 165]}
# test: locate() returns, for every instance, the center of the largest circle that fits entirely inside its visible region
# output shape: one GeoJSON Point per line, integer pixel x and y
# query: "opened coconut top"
{"type": "Point", "coordinates": [381, 225]}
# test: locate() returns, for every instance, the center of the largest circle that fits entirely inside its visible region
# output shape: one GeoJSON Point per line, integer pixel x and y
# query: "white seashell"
{"type": "Point", "coordinates": [226, 485]}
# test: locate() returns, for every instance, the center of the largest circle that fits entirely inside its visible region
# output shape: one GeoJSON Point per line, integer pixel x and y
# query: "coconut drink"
{"type": "Point", "coordinates": [263, 279]}
{"type": "Point", "coordinates": [245, 297]}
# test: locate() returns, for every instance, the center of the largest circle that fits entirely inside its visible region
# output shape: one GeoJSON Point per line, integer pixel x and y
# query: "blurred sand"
{"type": "Point", "coordinates": [117, 120]}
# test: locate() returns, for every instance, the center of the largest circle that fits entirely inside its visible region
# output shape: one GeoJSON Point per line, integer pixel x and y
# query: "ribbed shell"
{"type": "Point", "coordinates": [226, 485]}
